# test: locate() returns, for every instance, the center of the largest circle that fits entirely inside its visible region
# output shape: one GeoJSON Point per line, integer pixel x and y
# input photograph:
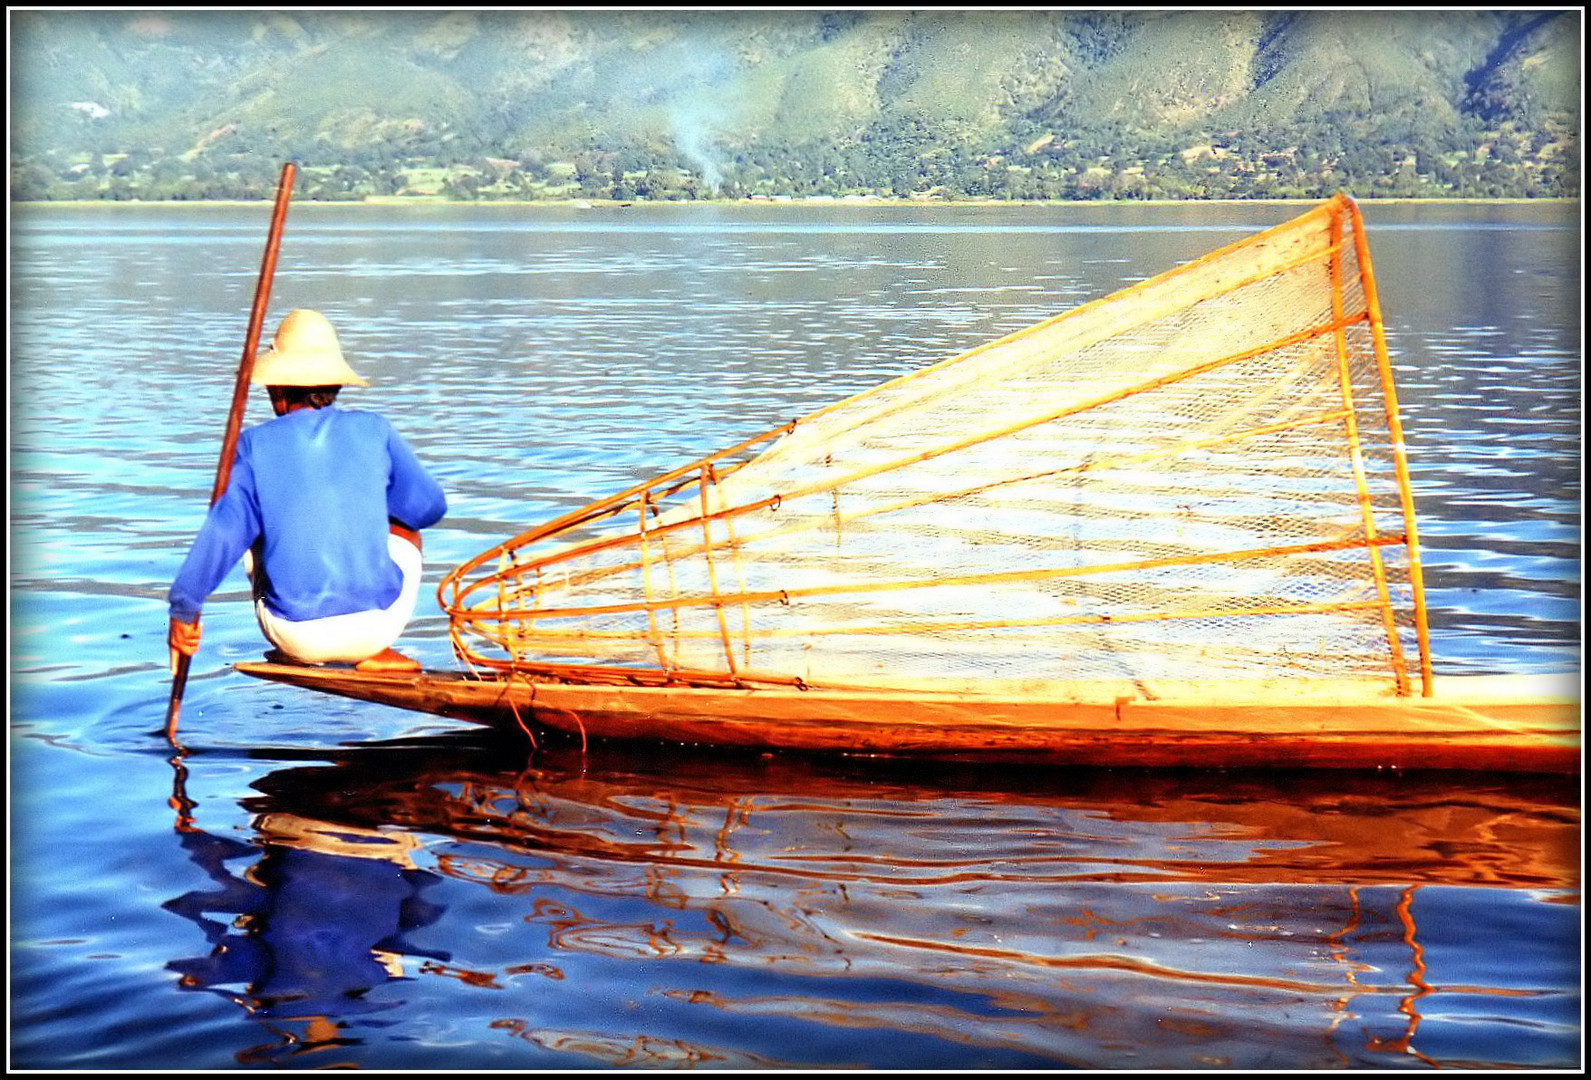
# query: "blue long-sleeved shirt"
{"type": "Point", "coordinates": [317, 486]}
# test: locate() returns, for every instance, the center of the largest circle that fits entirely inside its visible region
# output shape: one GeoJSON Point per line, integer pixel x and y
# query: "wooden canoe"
{"type": "Point", "coordinates": [1520, 723]}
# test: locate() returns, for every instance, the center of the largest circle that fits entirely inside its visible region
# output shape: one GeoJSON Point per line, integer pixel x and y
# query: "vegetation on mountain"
{"type": "Point", "coordinates": [662, 105]}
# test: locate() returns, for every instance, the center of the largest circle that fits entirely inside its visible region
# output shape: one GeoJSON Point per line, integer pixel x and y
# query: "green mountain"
{"type": "Point", "coordinates": [672, 104]}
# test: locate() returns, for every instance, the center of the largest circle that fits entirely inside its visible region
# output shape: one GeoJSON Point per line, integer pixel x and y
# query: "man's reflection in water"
{"type": "Point", "coordinates": [317, 918]}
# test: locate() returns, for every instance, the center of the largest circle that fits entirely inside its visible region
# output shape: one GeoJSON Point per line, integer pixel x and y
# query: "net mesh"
{"type": "Point", "coordinates": [1196, 478]}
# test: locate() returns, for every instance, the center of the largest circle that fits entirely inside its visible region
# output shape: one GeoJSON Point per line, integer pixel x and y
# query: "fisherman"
{"type": "Point", "coordinates": [324, 506]}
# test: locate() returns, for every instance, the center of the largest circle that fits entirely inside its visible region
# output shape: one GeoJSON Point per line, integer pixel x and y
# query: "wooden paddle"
{"type": "Point", "coordinates": [240, 395]}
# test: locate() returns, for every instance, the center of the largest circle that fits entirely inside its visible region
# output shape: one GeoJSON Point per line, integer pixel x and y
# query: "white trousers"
{"type": "Point", "coordinates": [355, 636]}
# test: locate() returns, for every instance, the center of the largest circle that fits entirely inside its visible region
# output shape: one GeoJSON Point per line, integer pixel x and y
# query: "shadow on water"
{"type": "Point", "coordinates": [783, 910]}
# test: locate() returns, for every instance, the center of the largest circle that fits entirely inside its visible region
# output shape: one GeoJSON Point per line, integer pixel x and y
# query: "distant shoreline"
{"type": "Point", "coordinates": [388, 202]}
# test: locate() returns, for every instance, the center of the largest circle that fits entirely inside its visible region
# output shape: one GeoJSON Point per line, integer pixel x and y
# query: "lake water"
{"type": "Point", "coordinates": [322, 883]}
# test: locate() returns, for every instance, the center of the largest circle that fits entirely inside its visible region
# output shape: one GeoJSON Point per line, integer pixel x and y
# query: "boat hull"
{"type": "Point", "coordinates": [1513, 723]}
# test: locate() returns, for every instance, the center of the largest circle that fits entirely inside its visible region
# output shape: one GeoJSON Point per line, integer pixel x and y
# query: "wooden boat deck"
{"type": "Point", "coordinates": [1515, 723]}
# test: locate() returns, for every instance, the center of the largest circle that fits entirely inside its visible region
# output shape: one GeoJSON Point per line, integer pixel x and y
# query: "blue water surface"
{"type": "Point", "coordinates": [322, 883]}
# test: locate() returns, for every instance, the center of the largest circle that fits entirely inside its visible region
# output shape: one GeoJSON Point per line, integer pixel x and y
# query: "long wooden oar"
{"type": "Point", "coordinates": [240, 397]}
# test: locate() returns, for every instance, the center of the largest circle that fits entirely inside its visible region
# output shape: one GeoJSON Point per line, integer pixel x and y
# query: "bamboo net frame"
{"type": "Point", "coordinates": [1200, 477]}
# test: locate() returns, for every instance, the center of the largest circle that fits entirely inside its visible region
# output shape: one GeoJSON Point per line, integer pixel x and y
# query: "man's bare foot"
{"type": "Point", "coordinates": [388, 660]}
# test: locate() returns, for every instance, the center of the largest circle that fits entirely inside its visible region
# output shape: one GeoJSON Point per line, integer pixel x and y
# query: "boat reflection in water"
{"type": "Point", "coordinates": [656, 907]}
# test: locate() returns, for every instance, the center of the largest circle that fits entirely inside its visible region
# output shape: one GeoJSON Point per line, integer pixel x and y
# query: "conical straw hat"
{"type": "Point", "coordinates": [304, 353]}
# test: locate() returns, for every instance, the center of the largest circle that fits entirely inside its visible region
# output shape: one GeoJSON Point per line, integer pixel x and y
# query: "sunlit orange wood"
{"type": "Point", "coordinates": [717, 599]}
{"type": "Point", "coordinates": [1510, 723]}
{"type": "Point", "coordinates": [1395, 426]}
{"type": "Point", "coordinates": [1356, 460]}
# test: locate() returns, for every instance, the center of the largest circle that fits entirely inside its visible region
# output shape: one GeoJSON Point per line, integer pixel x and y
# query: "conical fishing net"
{"type": "Point", "coordinates": [1200, 477]}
